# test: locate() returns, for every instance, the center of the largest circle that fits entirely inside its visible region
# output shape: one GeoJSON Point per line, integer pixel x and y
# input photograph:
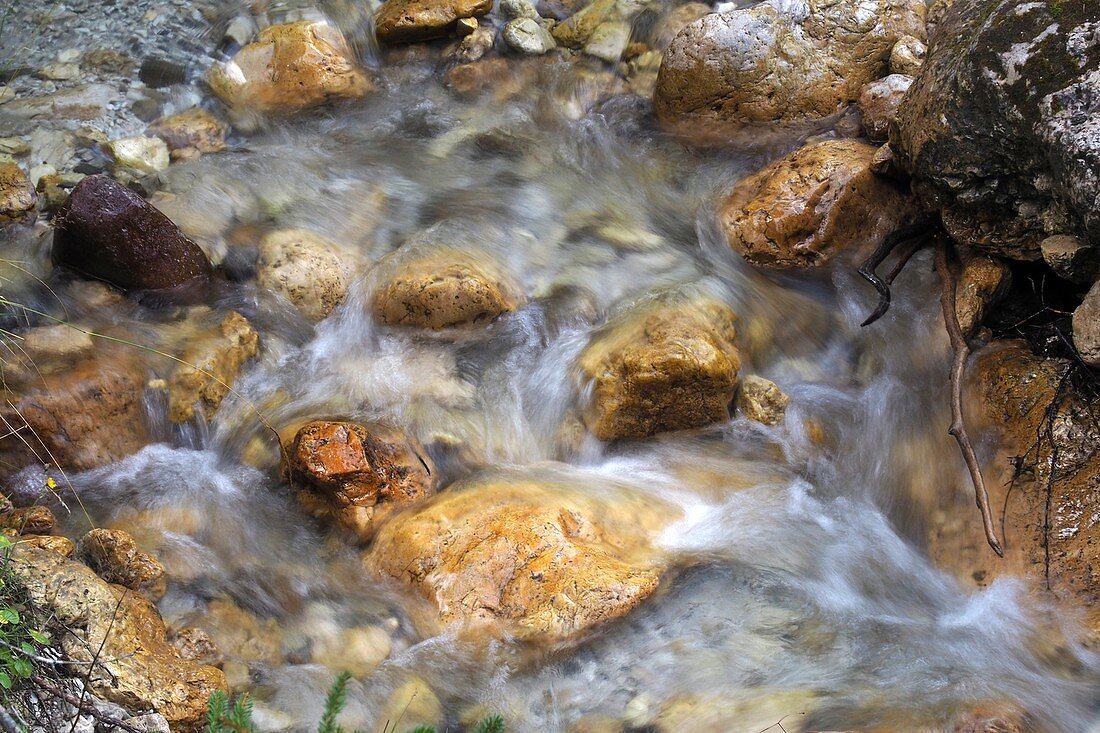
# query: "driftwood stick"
{"type": "Point", "coordinates": [961, 350]}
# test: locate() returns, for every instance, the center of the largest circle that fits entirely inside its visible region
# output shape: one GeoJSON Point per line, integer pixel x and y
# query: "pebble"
{"type": "Point", "coordinates": [139, 153]}
{"type": "Point", "coordinates": [514, 9]}
{"type": "Point", "coordinates": [528, 37]}
{"type": "Point", "coordinates": [60, 71]}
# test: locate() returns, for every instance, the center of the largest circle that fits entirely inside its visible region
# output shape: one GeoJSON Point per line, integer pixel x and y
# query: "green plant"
{"type": "Point", "coordinates": [223, 717]}
{"type": "Point", "coordinates": [20, 636]}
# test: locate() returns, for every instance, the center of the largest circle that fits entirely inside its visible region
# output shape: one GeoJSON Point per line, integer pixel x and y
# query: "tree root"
{"type": "Point", "coordinates": [910, 238]}
{"type": "Point", "coordinates": [961, 349]}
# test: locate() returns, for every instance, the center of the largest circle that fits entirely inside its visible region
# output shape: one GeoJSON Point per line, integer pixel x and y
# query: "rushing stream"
{"type": "Point", "coordinates": [800, 587]}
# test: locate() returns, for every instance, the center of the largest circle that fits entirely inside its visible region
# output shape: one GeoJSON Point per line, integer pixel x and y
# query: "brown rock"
{"type": "Point", "coordinates": [761, 400]}
{"type": "Point", "coordinates": [290, 67]}
{"type": "Point", "coordinates": [107, 232]}
{"type": "Point", "coordinates": [907, 56]}
{"type": "Point", "coordinates": [1086, 327]}
{"type": "Point", "coordinates": [195, 644]}
{"type": "Point", "coordinates": [536, 560]}
{"type": "Point", "coordinates": [801, 210]}
{"type": "Point", "coordinates": [357, 475]}
{"type": "Point", "coordinates": [504, 77]}
{"type": "Point", "coordinates": [770, 63]}
{"type": "Point", "coordinates": [879, 102]}
{"type": "Point", "coordinates": [306, 269]}
{"type": "Point", "coordinates": [54, 543]}
{"type": "Point", "coordinates": [601, 29]}
{"type": "Point", "coordinates": [115, 557]}
{"type": "Point", "coordinates": [1070, 258]}
{"type": "Point", "coordinates": [29, 520]}
{"type": "Point", "coordinates": [17, 195]}
{"type": "Point", "coordinates": [137, 667]}
{"type": "Point", "coordinates": [80, 418]}
{"type": "Point", "coordinates": [662, 367]}
{"type": "Point", "coordinates": [983, 282]}
{"type": "Point", "coordinates": [405, 21]}
{"type": "Point", "coordinates": [193, 130]}
{"type": "Point", "coordinates": [444, 290]}
{"type": "Point", "coordinates": [240, 635]}
{"type": "Point", "coordinates": [212, 365]}
{"type": "Point", "coordinates": [672, 22]}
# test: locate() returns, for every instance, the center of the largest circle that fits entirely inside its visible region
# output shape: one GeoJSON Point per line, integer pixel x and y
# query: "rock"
{"type": "Point", "coordinates": [538, 561]}
{"type": "Point", "coordinates": [406, 21]}
{"type": "Point", "coordinates": [515, 9]}
{"type": "Point", "coordinates": [1070, 258]}
{"type": "Point", "coordinates": [474, 46]}
{"type": "Point", "coordinates": [85, 102]}
{"type": "Point", "coordinates": [194, 130]}
{"type": "Point", "coordinates": [86, 416]}
{"type": "Point", "coordinates": [106, 231]}
{"type": "Point", "coordinates": [672, 22]}
{"type": "Point", "coordinates": [60, 71]}
{"type": "Point", "coordinates": [907, 56]}
{"type": "Point", "coordinates": [878, 104]}
{"type": "Point", "coordinates": [723, 714]}
{"type": "Point", "coordinates": [803, 209]}
{"type": "Point", "coordinates": [195, 644]}
{"type": "Point", "coordinates": [241, 636]}
{"type": "Point", "coordinates": [885, 164]}
{"type": "Point", "coordinates": [212, 365]}
{"type": "Point", "coordinates": [357, 475]}
{"type": "Point", "coordinates": [17, 195]}
{"type": "Point", "coordinates": [54, 543]}
{"type": "Point", "coordinates": [465, 26]}
{"type": "Point", "coordinates": [983, 282]}
{"type": "Point", "coordinates": [115, 557]}
{"type": "Point", "coordinates": [137, 667]}
{"type": "Point", "coordinates": [527, 36]}
{"type": "Point", "coordinates": [139, 153]}
{"type": "Point", "coordinates": [1086, 327]}
{"type": "Point", "coordinates": [998, 130]}
{"type": "Point", "coordinates": [359, 650]}
{"type": "Point", "coordinates": [444, 290]}
{"type": "Point", "coordinates": [149, 723]}
{"type": "Point", "coordinates": [29, 520]}
{"type": "Point", "coordinates": [504, 77]}
{"type": "Point", "coordinates": [290, 67]}
{"type": "Point", "coordinates": [601, 28]}
{"type": "Point", "coordinates": [661, 367]}
{"type": "Point", "coordinates": [306, 269]}
{"type": "Point", "coordinates": [414, 704]}
{"type": "Point", "coordinates": [780, 61]}
{"type": "Point", "coordinates": [761, 400]}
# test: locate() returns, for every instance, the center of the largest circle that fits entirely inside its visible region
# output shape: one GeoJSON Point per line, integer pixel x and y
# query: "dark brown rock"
{"type": "Point", "coordinates": [106, 231]}
{"type": "Point", "coordinates": [357, 475]}
{"type": "Point", "coordinates": [114, 556]}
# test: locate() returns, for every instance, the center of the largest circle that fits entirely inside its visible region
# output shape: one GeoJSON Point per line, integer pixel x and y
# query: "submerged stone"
{"type": "Point", "coordinates": [107, 232]}
{"type": "Point", "coordinates": [211, 366]}
{"type": "Point", "coordinates": [306, 269]}
{"type": "Point", "coordinates": [193, 130]}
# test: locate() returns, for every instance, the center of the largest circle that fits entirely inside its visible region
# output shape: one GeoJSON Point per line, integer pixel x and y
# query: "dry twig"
{"type": "Point", "coordinates": [961, 349]}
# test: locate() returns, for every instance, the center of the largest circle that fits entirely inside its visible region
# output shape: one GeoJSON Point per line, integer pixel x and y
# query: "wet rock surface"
{"type": "Point", "coordinates": [804, 209]}
{"type": "Point", "coordinates": [306, 268]}
{"type": "Point", "coordinates": [210, 366]}
{"type": "Point", "coordinates": [289, 68]}
{"type": "Point", "coordinates": [108, 232]}
{"type": "Point", "coordinates": [995, 129]}
{"type": "Point", "coordinates": [357, 475]}
{"type": "Point", "coordinates": [661, 368]}
{"type": "Point", "coordinates": [779, 61]}
{"type": "Point", "coordinates": [404, 21]}
{"type": "Point", "coordinates": [114, 556]}
{"type": "Point", "coordinates": [193, 131]}
{"type": "Point", "coordinates": [17, 195]}
{"type": "Point", "coordinates": [522, 558]}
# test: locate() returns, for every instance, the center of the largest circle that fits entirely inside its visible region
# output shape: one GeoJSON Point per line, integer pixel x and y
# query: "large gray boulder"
{"type": "Point", "coordinates": [1000, 130]}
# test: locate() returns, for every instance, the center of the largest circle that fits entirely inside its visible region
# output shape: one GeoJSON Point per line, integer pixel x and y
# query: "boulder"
{"type": "Point", "coordinates": [45, 350]}
{"type": "Point", "coordinates": [290, 67]}
{"type": "Point", "coordinates": [780, 60]}
{"type": "Point", "coordinates": [305, 268]}
{"type": "Point", "coordinates": [107, 232]}
{"type": "Point", "coordinates": [444, 290]}
{"type": "Point", "coordinates": [193, 131]}
{"type": "Point", "coordinates": [1070, 258]}
{"type": "Point", "coordinates": [115, 557]}
{"type": "Point", "coordinates": [878, 104]}
{"type": "Point", "coordinates": [536, 560]}
{"type": "Point", "coordinates": [907, 56]}
{"type": "Point", "coordinates": [406, 21]}
{"type": "Point", "coordinates": [136, 667]}
{"type": "Point", "coordinates": [28, 520]}
{"type": "Point", "coordinates": [357, 475]}
{"type": "Point", "coordinates": [983, 281]}
{"type": "Point", "coordinates": [761, 400]}
{"type": "Point", "coordinates": [212, 364]}
{"type": "Point", "coordinates": [526, 36]}
{"type": "Point", "coordinates": [1086, 327]}
{"type": "Point", "coordinates": [998, 131]}
{"type": "Point", "coordinates": [803, 209]}
{"type": "Point", "coordinates": [660, 367]}
{"type": "Point", "coordinates": [17, 195]}
{"type": "Point", "coordinates": [86, 416]}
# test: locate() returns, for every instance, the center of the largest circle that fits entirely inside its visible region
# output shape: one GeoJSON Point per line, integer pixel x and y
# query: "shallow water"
{"type": "Point", "coordinates": [800, 589]}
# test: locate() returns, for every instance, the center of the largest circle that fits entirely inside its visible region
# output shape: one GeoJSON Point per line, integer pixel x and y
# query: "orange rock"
{"type": "Point", "coordinates": [17, 195]}
{"type": "Point", "coordinates": [357, 475]}
{"type": "Point", "coordinates": [195, 129]}
{"type": "Point", "coordinates": [289, 68]}
{"type": "Point", "coordinates": [404, 21]}
{"type": "Point", "coordinates": [115, 557]}
{"type": "Point", "coordinates": [212, 365]}
{"type": "Point", "coordinates": [801, 210]}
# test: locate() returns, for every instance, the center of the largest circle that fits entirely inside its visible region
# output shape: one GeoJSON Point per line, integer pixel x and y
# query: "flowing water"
{"type": "Point", "coordinates": [799, 589]}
